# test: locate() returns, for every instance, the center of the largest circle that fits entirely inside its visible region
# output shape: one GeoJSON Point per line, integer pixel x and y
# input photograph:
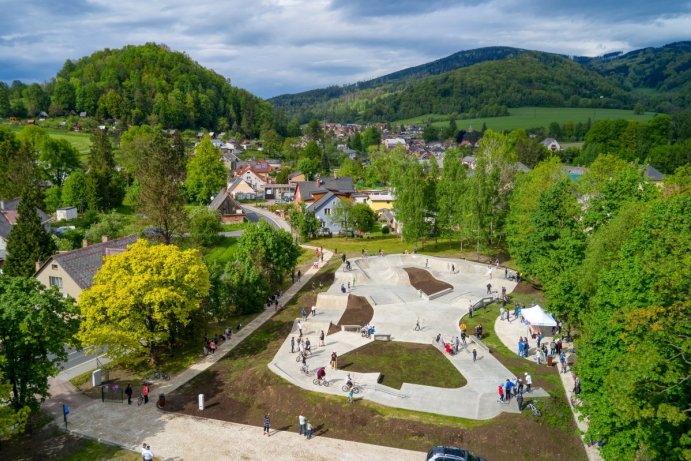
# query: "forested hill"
{"type": "Point", "coordinates": [449, 63]}
{"type": "Point", "coordinates": [508, 77]}
{"type": "Point", "coordinates": [666, 70]}
{"type": "Point", "coordinates": [148, 84]}
{"type": "Point", "coordinates": [484, 89]}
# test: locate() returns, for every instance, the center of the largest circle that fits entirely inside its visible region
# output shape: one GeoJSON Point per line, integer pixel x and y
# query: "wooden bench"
{"type": "Point", "coordinates": [381, 337]}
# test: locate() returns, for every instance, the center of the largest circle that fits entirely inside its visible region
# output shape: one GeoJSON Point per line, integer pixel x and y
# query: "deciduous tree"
{"type": "Point", "coordinates": [142, 299]}
{"type": "Point", "coordinates": [35, 324]}
{"type": "Point", "coordinates": [206, 173]}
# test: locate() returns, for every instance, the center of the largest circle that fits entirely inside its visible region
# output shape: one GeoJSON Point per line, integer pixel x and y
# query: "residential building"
{"type": "Point", "coordinates": [551, 144]}
{"type": "Point", "coordinates": [240, 190]}
{"type": "Point", "coordinates": [73, 271]}
{"type": "Point", "coordinates": [381, 200]}
{"type": "Point", "coordinates": [311, 191]}
{"type": "Point", "coordinates": [66, 214]}
{"type": "Point", "coordinates": [256, 180]}
{"type": "Point", "coordinates": [323, 209]}
{"type": "Point", "coordinates": [8, 218]}
{"type": "Point", "coordinates": [230, 210]}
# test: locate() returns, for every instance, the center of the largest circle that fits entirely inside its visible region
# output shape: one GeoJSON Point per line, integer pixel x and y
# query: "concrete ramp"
{"type": "Point", "coordinates": [328, 301]}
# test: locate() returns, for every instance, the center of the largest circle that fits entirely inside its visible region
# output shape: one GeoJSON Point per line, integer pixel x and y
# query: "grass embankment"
{"type": "Point", "coordinates": [531, 117]}
{"type": "Point", "coordinates": [241, 388]}
{"type": "Point", "coordinates": [401, 363]}
{"type": "Point", "coordinates": [391, 244]}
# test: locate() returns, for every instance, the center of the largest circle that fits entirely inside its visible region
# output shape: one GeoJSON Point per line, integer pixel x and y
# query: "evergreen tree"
{"type": "Point", "coordinates": [161, 198]}
{"type": "Point", "coordinates": [28, 242]}
{"type": "Point", "coordinates": [105, 189]}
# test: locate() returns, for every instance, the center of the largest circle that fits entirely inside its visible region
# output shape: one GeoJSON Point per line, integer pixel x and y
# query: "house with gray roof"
{"type": "Point", "coordinates": [8, 218]}
{"type": "Point", "coordinates": [230, 210]}
{"type": "Point", "coordinates": [311, 191]}
{"type": "Point", "coordinates": [323, 210]}
{"type": "Point", "coordinates": [73, 271]}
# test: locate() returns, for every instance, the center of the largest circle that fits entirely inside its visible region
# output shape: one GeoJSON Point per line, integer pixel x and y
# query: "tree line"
{"type": "Point", "coordinates": [611, 252]}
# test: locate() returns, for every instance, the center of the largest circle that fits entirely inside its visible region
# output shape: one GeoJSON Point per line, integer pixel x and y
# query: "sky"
{"type": "Point", "coordinates": [272, 47]}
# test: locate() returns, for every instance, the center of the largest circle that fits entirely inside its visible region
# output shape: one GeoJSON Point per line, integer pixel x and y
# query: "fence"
{"type": "Point", "coordinates": [112, 393]}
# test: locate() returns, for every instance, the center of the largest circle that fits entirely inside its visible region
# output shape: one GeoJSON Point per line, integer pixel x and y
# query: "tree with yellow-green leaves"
{"type": "Point", "coordinates": [142, 300]}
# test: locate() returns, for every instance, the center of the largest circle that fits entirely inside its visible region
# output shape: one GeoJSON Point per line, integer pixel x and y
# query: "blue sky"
{"type": "Point", "coordinates": [272, 47]}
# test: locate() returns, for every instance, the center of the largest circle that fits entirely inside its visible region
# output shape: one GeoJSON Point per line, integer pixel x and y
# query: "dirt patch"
{"type": "Point", "coordinates": [358, 312]}
{"type": "Point", "coordinates": [526, 288]}
{"type": "Point", "coordinates": [423, 280]}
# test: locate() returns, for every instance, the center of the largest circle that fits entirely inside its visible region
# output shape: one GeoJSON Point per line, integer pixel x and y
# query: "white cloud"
{"type": "Point", "coordinates": [277, 46]}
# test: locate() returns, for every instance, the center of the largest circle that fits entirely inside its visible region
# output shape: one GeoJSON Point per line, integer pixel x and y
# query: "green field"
{"type": "Point", "coordinates": [532, 117]}
{"type": "Point", "coordinates": [81, 141]}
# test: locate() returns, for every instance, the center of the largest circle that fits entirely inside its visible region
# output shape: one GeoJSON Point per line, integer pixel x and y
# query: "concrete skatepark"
{"type": "Point", "coordinates": [397, 306]}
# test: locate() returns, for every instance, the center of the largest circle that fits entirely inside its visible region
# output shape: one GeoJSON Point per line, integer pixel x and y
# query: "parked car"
{"type": "Point", "coordinates": [346, 233]}
{"type": "Point", "coordinates": [441, 453]}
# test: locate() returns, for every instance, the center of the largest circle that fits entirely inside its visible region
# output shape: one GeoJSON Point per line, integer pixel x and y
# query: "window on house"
{"type": "Point", "coordinates": [54, 267]}
{"type": "Point", "coordinates": [55, 282]}
{"type": "Point", "coordinates": [327, 211]}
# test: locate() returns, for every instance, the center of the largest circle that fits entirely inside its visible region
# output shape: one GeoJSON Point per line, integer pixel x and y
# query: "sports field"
{"type": "Point", "coordinates": [532, 117]}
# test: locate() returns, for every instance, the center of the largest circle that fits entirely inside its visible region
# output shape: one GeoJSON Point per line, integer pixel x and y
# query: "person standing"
{"type": "Point", "coordinates": [145, 392]}
{"type": "Point", "coordinates": [334, 360]}
{"type": "Point", "coordinates": [292, 344]}
{"type": "Point", "coordinates": [489, 288]}
{"type": "Point", "coordinates": [562, 359]}
{"type": "Point", "coordinates": [474, 355]}
{"type": "Point", "coordinates": [350, 394]}
{"type": "Point", "coordinates": [128, 392]}
{"type": "Point", "coordinates": [528, 382]}
{"type": "Point", "coordinates": [267, 424]}
{"type": "Point", "coordinates": [417, 325]}
{"type": "Point", "coordinates": [314, 309]}
{"type": "Point", "coordinates": [299, 276]}
{"type": "Point", "coordinates": [519, 400]}
{"type": "Point", "coordinates": [300, 327]}
{"type": "Point", "coordinates": [321, 339]}
{"type": "Point", "coordinates": [308, 427]}
{"type": "Point", "coordinates": [302, 420]}
{"type": "Point", "coordinates": [500, 389]}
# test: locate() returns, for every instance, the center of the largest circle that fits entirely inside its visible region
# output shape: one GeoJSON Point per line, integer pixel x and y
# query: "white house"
{"type": "Point", "coordinates": [66, 214]}
{"type": "Point", "coordinates": [551, 144]}
{"type": "Point", "coordinates": [390, 143]}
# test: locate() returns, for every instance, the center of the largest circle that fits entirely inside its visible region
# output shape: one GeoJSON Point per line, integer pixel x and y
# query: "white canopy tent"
{"type": "Point", "coordinates": [537, 316]}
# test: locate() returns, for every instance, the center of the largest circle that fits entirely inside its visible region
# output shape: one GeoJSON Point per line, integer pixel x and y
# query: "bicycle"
{"type": "Point", "coordinates": [160, 374]}
{"type": "Point", "coordinates": [320, 382]}
{"type": "Point", "coordinates": [305, 370]}
{"type": "Point", "coordinates": [140, 400]}
{"type": "Point", "coordinates": [575, 400]}
{"type": "Point", "coordinates": [534, 409]}
{"type": "Point", "coordinates": [299, 357]}
{"type": "Point", "coordinates": [346, 388]}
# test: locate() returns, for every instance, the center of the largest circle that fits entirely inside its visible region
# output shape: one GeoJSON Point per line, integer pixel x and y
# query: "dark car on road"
{"type": "Point", "coordinates": [441, 453]}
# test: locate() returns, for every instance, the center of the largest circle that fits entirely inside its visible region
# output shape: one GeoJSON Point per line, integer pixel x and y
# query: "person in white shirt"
{"type": "Point", "coordinates": [147, 454]}
{"type": "Point", "coordinates": [528, 382]}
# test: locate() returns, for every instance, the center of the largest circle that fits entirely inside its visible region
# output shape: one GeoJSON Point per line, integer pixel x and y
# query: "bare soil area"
{"type": "Point", "coordinates": [358, 311]}
{"type": "Point", "coordinates": [423, 280]}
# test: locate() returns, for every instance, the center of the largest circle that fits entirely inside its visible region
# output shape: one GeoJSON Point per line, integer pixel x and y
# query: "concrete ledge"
{"type": "Point", "coordinates": [381, 337]}
{"type": "Point", "coordinates": [439, 293]}
{"type": "Point", "coordinates": [351, 328]}
{"type": "Point", "coordinates": [475, 339]}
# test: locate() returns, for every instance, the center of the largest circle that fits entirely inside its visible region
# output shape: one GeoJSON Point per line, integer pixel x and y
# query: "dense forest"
{"type": "Point", "coordinates": [141, 84]}
{"type": "Point", "coordinates": [486, 81]}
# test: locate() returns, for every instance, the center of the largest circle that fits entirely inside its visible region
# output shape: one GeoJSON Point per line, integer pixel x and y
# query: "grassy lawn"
{"type": "Point", "coordinates": [401, 363]}
{"type": "Point", "coordinates": [80, 141]}
{"type": "Point", "coordinates": [235, 226]}
{"type": "Point", "coordinates": [392, 244]}
{"type": "Point", "coordinates": [532, 117]}
{"type": "Point", "coordinates": [241, 388]}
{"type": "Point", "coordinates": [223, 251]}
{"type": "Point", "coordinates": [92, 450]}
